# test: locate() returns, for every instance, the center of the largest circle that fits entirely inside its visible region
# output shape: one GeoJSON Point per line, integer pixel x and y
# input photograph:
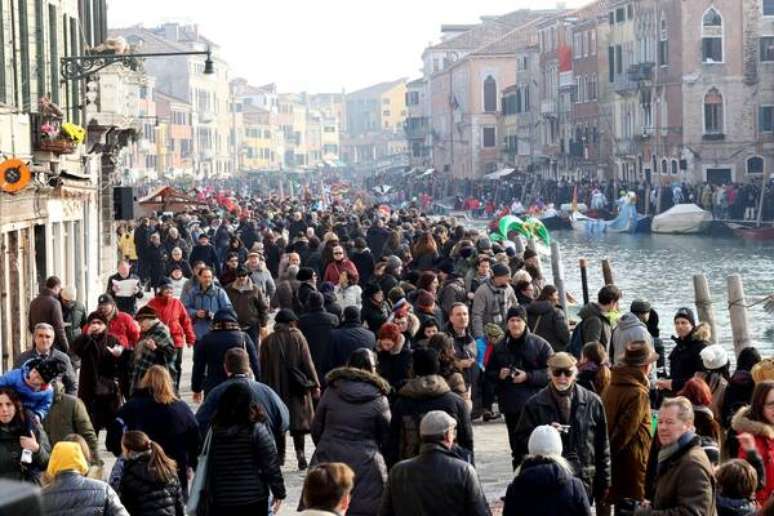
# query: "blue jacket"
{"type": "Point", "coordinates": [38, 402]}
{"type": "Point", "coordinates": [277, 416]}
{"type": "Point", "coordinates": [211, 300]}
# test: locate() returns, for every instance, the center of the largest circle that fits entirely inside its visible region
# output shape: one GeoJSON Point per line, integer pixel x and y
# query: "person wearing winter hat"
{"type": "Point", "coordinates": [155, 347]}
{"type": "Point", "coordinates": [543, 471]}
{"type": "Point", "coordinates": [518, 367]}
{"type": "Point", "coordinates": [375, 311]}
{"type": "Point", "coordinates": [308, 284]}
{"type": "Point", "coordinates": [492, 300]}
{"type": "Point", "coordinates": [685, 358]}
{"type": "Point", "coordinates": [173, 314]}
{"type": "Point", "coordinates": [716, 374]}
{"type": "Point", "coordinates": [580, 415]}
{"type": "Point", "coordinates": [394, 357]}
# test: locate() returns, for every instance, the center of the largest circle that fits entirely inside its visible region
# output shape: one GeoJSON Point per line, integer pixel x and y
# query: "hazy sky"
{"type": "Point", "coordinates": [318, 45]}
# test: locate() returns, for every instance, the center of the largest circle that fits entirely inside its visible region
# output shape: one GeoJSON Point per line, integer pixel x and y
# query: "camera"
{"type": "Point", "coordinates": [26, 456]}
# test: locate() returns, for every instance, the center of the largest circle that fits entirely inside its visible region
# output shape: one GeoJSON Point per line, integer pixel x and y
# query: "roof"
{"type": "Point", "coordinates": [376, 89]}
{"type": "Point", "coordinates": [416, 82]}
{"type": "Point", "coordinates": [151, 41]}
{"type": "Point", "coordinates": [510, 42]}
{"type": "Point", "coordinates": [167, 194]}
{"type": "Point", "coordinates": [171, 98]}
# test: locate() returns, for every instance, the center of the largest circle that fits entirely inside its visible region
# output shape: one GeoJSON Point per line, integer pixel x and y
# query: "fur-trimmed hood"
{"type": "Point", "coordinates": [741, 422]}
{"type": "Point", "coordinates": [422, 387]}
{"type": "Point", "coordinates": [703, 331]}
{"type": "Point", "coordinates": [353, 374]}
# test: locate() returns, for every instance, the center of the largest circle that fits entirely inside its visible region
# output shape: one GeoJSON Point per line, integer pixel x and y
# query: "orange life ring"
{"type": "Point", "coordinates": [14, 175]}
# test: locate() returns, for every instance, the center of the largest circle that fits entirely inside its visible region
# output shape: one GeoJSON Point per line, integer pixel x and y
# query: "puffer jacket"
{"type": "Point", "coordinates": [351, 425]}
{"type": "Point", "coordinates": [416, 398]}
{"type": "Point", "coordinates": [434, 482]}
{"type": "Point", "coordinates": [548, 321]}
{"type": "Point", "coordinates": [172, 313]}
{"type": "Point", "coordinates": [685, 358]}
{"type": "Point", "coordinates": [542, 487]}
{"type": "Point", "coordinates": [38, 401]}
{"type": "Point", "coordinates": [72, 494]}
{"type": "Point", "coordinates": [529, 353]}
{"type": "Point", "coordinates": [490, 305]}
{"type": "Point", "coordinates": [585, 446]}
{"type": "Point", "coordinates": [594, 325]}
{"type": "Point", "coordinates": [244, 466]}
{"type": "Point", "coordinates": [143, 495]}
{"type": "Point", "coordinates": [764, 443]}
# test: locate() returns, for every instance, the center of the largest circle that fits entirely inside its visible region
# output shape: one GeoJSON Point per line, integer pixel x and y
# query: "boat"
{"type": "Point", "coordinates": [751, 233]}
{"type": "Point", "coordinates": [627, 220]}
{"type": "Point", "coordinates": [682, 219]}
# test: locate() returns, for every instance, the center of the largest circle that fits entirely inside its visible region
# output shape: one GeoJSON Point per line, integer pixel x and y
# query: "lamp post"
{"type": "Point", "coordinates": [74, 68]}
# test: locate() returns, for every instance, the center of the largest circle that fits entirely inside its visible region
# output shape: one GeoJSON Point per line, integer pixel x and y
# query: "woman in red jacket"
{"type": "Point", "coordinates": [340, 264]}
{"type": "Point", "coordinates": [758, 420]}
{"type": "Point", "coordinates": [172, 312]}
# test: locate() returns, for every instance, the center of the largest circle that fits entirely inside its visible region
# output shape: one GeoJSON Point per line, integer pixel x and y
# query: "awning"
{"type": "Point", "coordinates": [382, 189]}
{"type": "Point", "coordinates": [428, 172]}
{"type": "Point", "coordinates": [498, 174]}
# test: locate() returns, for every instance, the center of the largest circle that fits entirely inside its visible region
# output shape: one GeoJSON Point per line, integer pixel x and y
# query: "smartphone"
{"type": "Point", "coordinates": [26, 456]}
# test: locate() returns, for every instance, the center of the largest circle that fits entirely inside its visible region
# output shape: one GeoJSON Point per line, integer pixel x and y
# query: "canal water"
{"type": "Point", "coordinates": [660, 268]}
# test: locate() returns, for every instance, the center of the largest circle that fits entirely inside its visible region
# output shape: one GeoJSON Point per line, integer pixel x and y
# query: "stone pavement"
{"type": "Point", "coordinates": [492, 454]}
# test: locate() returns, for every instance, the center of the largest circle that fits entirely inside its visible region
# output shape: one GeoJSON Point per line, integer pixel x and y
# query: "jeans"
{"type": "Point", "coordinates": [178, 368]}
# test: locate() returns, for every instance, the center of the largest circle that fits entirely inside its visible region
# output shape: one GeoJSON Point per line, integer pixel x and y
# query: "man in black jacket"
{"type": "Point", "coordinates": [436, 481]}
{"type": "Point", "coordinates": [579, 416]}
{"type": "Point", "coordinates": [316, 324]}
{"type": "Point", "coordinates": [351, 335]}
{"type": "Point", "coordinates": [426, 392]}
{"type": "Point", "coordinates": [518, 367]}
{"type": "Point", "coordinates": [205, 252]}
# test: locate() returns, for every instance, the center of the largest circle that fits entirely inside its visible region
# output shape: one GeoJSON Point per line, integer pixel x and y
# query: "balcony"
{"type": "Point", "coordinates": [641, 72]}
{"type": "Point", "coordinates": [416, 128]}
{"type": "Point", "coordinates": [548, 107]}
{"type": "Point", "coordinates": [566, 80]}
{"type": "Point", "coordinates": [577, 149]}
{"type": "Point", "coordinates": [623, 84]}
{"type": "Point", "coordinates": [713, 137]}
{"type": "Point", "coordinates": [206, 117]}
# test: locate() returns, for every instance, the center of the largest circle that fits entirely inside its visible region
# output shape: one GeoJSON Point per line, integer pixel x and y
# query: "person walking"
{"type": "Point", "coordinates": [595, 324]}
{"type": "Point", "coordinates": [68, 415]}
{"type": "Point", "coordinates": [46, 308]}
{"type": "Point", "coordinates": [436, 481]}
{"type": "Point", "coordinates": [173, 314]}
{"type": "Point", "coordinates": [328, 489]}
{"type": "Point", "coordinates": [156, 410]}
{"type": "Point", "coordinates": [580, 415]}
{"type": "Point", "coordinates": [627, 406]}
{"type": "Point", "coordinates": [351, 425]}
{"type": "Point", "coordinates": [125, 294]}
{"type": "Point", "coordinates": [203, 301]}
{"type": "Point", "coordinates": [210, 351]}
{"type": "Point", "coordinates": [758, 421]}
{"type": "Point", "coordinates": [249, 304]}
{"type": "Point", "coordinates": [545, 484]}
{"type": "Point", "coordinates": [288, 369]}
{"type": "Point", "coordinates": [348, 337]}
{"type": "Point", "coordinates": [492, 300]}
{"type": "Point", "coordinates": [101, 357]}
{"type": "Point", "coordinates": [149, 484]}
{"type": "Point", "coordinates": [74, 315]}
{"type": "Point", "coordinates": [518, 367]}
{"type": "Point", "coordinates": [244, 467]}
{"type": "Point", "coordinates": [316, 325]}
{"type": "Point", "coordinates": [154, 348]}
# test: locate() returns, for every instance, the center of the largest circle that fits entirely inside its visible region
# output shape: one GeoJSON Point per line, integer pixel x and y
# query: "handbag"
{"type": "Point", "coordinates": [198, 499]}
{"type": "Point", "coordinates": [106, 387]}
{"type": "Point", "coordinates": [298, 383]}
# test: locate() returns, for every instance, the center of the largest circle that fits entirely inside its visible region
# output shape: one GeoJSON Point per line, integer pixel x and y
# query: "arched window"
{"type": "Point", "coordinates": [713, 112]}
{"type": "Point", "coordinates": [755, 165]}
{"type": "Point", "coordinates": [712, 36]}
{"type": "Point", "coordinates": [664, 167]}
{"type": "Point", "coordinates": [674, 167]}
{"type": "Point", "coordinates": [490, 94]}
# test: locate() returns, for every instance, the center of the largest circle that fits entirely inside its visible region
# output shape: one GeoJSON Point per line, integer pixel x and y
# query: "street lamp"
{"type": "Point", "coordinates": [78, 67]}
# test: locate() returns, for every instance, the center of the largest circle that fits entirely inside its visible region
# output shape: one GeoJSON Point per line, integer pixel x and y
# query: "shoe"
{"type": "Point", "coordinates": [491, 416]}
{"type": "Point", "coordinates": [476, 415]}
{"type": "Point", "coordinates": [302, 465]}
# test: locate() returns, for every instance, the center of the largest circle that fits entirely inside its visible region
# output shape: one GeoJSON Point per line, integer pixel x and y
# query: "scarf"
{"type": "Point", "coordinates": [668, 451]}
{"type": "Point", "coordinates": [563, 401]}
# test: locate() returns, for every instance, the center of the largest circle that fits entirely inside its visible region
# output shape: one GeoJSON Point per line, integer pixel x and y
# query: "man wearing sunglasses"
{"type": "Point", "coordinates": [579, 416]}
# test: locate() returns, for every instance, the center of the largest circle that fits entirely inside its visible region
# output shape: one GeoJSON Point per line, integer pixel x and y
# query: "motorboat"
{"type": "Point", "coordinates": [755, 234]}
{"type": "Point", "coordinates": [682, 219]}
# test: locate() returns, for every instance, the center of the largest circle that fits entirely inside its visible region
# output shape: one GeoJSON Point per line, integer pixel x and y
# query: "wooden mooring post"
{"type": "Point", "coordinates": [704, 307]}
{"type": "Point", "coordinates": [607, 272]}
{"type": "Point", "coordinates": [584, 280]}
{"type": "Point", "coordinates": [558, 272]}
{"type": "Point", "coordinates": [738, 313]}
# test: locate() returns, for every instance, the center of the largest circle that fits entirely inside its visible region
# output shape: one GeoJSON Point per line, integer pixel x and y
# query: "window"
{"type": "Point", "coordinates": [629, 11]}
{"type": "Point", "coordinates": [611, 17]}
{"type": "Point", "coordinates": [611, 64]}
{"type": "Point", "coordinates": [713, 112]}
{"type": "Point", "coordinates": [755, 165]}
{"type": "Point", "coordinates": [674, 167]}
{"type": "Point", "coordinates": [663, 44]}
{"type": "Point", "coordinates": [768, 7]}
{"type": "Point", "coordinates": [489, 137]}
{"type": "Point", "coordinates": [593, 42]}
{"type": "Point", "coordinates": [664, 166]}
{"type": "Point", "coordinates": [490, 94]}
{"type": "Point", "coordinates": [712, 37]}
{"type": "Point", "coordinates": [766, 119]}
{"type": "Point", "coordinates": [767, 48]}
{"type": "Point", "coordinates": [620, 15]}
{"type": "Point", "coordinates": [618, 60]}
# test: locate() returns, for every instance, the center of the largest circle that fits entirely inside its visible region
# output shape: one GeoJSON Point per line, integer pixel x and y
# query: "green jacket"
{"type": "Point", "coordinates": [68, 415]}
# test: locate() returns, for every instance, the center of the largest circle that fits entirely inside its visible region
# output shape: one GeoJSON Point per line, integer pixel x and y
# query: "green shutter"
{"type": "Point", "coordinates": [53, 42]}
{"type": "Point", "coordinates": [24, 51]}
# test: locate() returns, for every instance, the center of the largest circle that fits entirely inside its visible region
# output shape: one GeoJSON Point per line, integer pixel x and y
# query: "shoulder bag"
{"type": "Point", "coordinates": [198, 500]}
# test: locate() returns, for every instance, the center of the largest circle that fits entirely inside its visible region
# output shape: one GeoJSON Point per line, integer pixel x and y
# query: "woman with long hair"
{"type": "Point", "coordinates": [167, 420]}
{"type": "Point", "coordinates": [758, 420]}
{"type": "Point", "coordinates": [244, 466]}
{"type": "Point", "coordinates": [149, 484]}
{"type": "Point", "coordinates": [24, 447]}
{"type": "Point", "coordinates": [425, 252]}
{"type": "Point", "coordinates": [547, 320]}
{"type": "Point", "coordinates": [450, 371]}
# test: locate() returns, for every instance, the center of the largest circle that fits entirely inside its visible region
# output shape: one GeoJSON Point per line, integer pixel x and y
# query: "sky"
{"type": "Point", "coordinates": [317, 45]}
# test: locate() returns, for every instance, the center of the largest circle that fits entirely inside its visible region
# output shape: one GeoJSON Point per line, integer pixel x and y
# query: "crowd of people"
{"type": "Point", "coordinates": [382, 335]}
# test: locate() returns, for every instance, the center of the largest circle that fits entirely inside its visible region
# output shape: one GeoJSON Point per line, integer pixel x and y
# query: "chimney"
{"type": "Point", "coordinates": [171, 31]}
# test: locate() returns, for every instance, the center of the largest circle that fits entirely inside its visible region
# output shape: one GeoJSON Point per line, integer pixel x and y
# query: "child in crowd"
{"type": "Point", "coordinates": [737, 482]}
{"type": "Point", "coordinates": [593, 369]}
{"type": "Point", "coordinates": [32, 381]}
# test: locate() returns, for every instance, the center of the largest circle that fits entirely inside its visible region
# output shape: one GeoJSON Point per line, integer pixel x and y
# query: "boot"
{"type": "Point", "coordinates": [298, 444]}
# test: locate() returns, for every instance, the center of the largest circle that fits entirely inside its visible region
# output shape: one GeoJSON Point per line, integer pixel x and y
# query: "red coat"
{"type": "Point", "coordinates": [172, 313]}
{"type": "Point", "coordinates": [123, 328]}
{"type": "Point", "coordinates": [764, 442]}
{"type": "Point", "coordinates": [333, 270]}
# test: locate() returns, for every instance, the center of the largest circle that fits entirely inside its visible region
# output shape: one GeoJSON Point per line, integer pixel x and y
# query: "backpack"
{"type": "Point", "coordinates": [576, 341]}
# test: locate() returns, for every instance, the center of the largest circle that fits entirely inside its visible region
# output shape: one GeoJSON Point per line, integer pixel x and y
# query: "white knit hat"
{"type": "Point", "coordinates": [545, 441]}
{"type": "Point", "coordinates": [714, 357]}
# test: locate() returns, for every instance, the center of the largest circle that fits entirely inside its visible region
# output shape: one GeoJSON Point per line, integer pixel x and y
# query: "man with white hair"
{"type": "Point", "coordinates": [43, 348]}
{"type": "Point", "coordinates": [436, 481]}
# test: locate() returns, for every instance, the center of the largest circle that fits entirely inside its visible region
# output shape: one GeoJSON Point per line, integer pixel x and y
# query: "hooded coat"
{"type": "Point", "coordinates": [543, 487]}
{"type": "Point", "coordinates": [172, 313]}
{"type": "Point", "coordinates": [283, 349]}
{"type": "Point", "coordinates": [210, 352]}
{"type": "Point", "coordinates": [764, 443]}
{"type": "Point", "coordinates": [68, 415]}
{"type": "Point", "coordinates": [352, 425]}
{"type": "Point", "coordinates": [685, 358]}
{"type": "Point", "coordinates": [38, 401]}
{"type": "Point", "coordinates": [143, 495]}
{"type": "Point", "coordinates": [316, 325]}
{"type": "Point", "coordinates": [627, 406]}
{"type": "Point", "coordinates": [548, 321]}
{"type": "Point", "coordinates": [594, 325]}
{"type": "Point", "coordinates": [628, 329]}
{"type": "Point", "coordinates": [416, 398]}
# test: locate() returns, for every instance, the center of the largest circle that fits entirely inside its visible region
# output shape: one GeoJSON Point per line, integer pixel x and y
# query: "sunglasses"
{"type": "Point", "coordinates": [562, 372]}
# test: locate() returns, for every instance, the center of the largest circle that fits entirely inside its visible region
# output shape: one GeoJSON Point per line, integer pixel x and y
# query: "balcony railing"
{"type": "Point", "coordinates": [548, 107]}
{"type": "Point", "coordinates": [566, 80]}
{"type": "Point", "coordinates": [624, 84]}
{"type": "Point", "coordinates": [641, 72]}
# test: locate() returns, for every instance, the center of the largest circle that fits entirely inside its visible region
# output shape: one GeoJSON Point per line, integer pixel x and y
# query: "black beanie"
{"type": "Point", "coordinates": [305, 274]}
{"type": "Point", "coordinates": [425, 361]}
{"type": "Point", "coordinates": [315, 301]}
{"type": "Point", "coordinates": [517, 311]}
{"type": "Point", "coordinates": [687, 314]}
